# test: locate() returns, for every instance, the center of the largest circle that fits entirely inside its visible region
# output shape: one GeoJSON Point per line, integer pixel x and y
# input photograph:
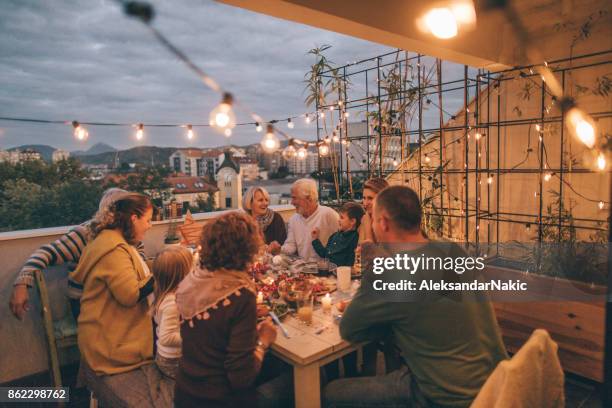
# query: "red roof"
{"type": "Point", "coordinates": [212, 153]}
{"type": "Point", "coordinates": [191, 152]}
{"type": "Point", "coordinates": [188, 185]}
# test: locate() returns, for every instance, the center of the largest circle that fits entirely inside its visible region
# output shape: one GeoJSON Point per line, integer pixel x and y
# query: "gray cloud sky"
{"type": "Point", "coordinates": [85, 60]}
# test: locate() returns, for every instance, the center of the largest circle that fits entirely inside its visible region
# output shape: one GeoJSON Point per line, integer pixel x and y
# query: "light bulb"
{"type": "Point", "coordinates": [427, 159]}
{"type": "Point", "coordinates": [190, 133]}
{"type": "Point", "coordinates": [140, 131]}
{"type": "Point", "coordinates": [324, 150]}
{"type": "Point", "coordinates": [537, 127]}
{"type": "Point", "coordinates": [547, 177]}
{"type": "Point", "coordinates": [331, 108]}
{"type": "Point", "coordinates": [327, 140]}
{"type": "Point", "coordinates": [601, 205]}
{"type": "Point", "coordinates": [307, 119]}
{"type": "Point", "coordinates": [336, 138]}
{"type": "Point", "coordinates": [581, 125]}
{"type": "Point", "coordinates": [322, 115]}
{"type": "Point", "coordinates": [601, 161]}
{"type": "Point", "coordinates": [270, 142]}
{"type": "Point", "coordinates": [301, 153]}
{"type": "Point", "coordinates": [227, 132]}
{"type": "Point", "coordinates": [79, 131]}
{"type": "Point", "coordinates": [289, 152]}
{"type": "Point", "coordinates": [395, 162]}
{"type": "Point", "coordinates": [441, 23]}
{"type": "Point", "coordinates": [223, 117]}
{"type": "Point", "coordinates": [290, 123]}
{"type": "Point", "coordinates": [258, 127]}
{"type": "Point", "coordinates": [347, 114]}
{"type": "Point", "coordinates": [490, 180]}
{"type": "Point", "coordinates": [477, 136]}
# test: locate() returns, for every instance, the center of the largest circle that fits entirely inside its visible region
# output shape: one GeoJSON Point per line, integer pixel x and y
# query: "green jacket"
{"type": "Point", "coordinates": [450, 346]}
{"type": "Point", "coordinates": [340, 247]}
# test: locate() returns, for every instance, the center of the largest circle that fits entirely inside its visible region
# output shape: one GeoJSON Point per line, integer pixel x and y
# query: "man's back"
{"type": "Point", "coordinates": [451, 345]}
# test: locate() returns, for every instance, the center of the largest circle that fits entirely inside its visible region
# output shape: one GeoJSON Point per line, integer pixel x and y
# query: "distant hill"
{"type": "Point", "coordinates": [46, 151]}
{"type": "Point", "coordinates": [144, 155]}
{"type": "Point", "coordinates": [98, 148]}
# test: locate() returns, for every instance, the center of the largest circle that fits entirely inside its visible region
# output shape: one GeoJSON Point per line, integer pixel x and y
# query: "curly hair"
{"type": "Point", "coordinates": [119, 215]}
{"type": "Point", "coordinates": [230, 242]}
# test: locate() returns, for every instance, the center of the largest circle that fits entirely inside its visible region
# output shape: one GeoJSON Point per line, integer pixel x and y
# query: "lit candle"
{"type": "Point", "coordinates": [326, 303]}
{"type": "Point", "coordinates": [260, 298]}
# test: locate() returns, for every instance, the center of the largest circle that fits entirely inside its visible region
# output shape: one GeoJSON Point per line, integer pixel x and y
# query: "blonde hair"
{"type": "Point", "coordinates": [169, 268]}
{"type": "Point", "coordinates": [307, 188]}
{"type": "Point", "coordinates": [249, 196]}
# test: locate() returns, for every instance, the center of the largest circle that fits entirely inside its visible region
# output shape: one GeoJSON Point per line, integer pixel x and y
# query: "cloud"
{"type": "Point", "coordinates": [84, 60]}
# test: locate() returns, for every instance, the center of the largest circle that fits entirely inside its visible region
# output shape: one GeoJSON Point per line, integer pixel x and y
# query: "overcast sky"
{"type": "Point", "coordinates": [84, 60]}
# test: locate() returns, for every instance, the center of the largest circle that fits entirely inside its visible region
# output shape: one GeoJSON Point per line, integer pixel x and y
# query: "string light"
{"type": "Point", "coordinates": [322, 115]}
{"type": "Point", "coordinates": [537, 127]}
{"type": "Point", "coordinates": [227, 132]}
{"type": "Point", "coordinates": [335, 137]}
{"type": "Point", "coordinates": [190, 133]}
{"type": "Point", "coordinates": [290, 123]}
{"type": "Point", "coordinates": [223, 117]}
{"type": "Point", "coordinates": [324, 150]}
{"type": "Point", "coordinates": [346, 114]}
{"type": "Point", "coordinates": [307, 119]}
{"type": "Point", "coordinates": [289, 151]}
{"type": "Point", "coordinates": [79, 131]}
{"type": "Point", "coordinates": [427, 159]}
{"type": "Point", "coordinates": [601, 162]}
{"type": "Point", "coordinates": [601, 205]}
{"type": "Point", "coordinates": [331, 108]}
{"type": "Point", "coordinates": [579, 123]}
{"type": "Point", "coordinates": [140, 131]}
{"type": "Point", "coordinates": [528, 227]}
{"type": "Point", "coordinates": [395, 162]}
{"type": "Point", "coordinates": [258, 127]}
{"type": "Point", "coordinates": [490, 179]}
{"type": "Point", "coordinates": [301, 153]}
{"type": "Point", "coordinates": [547, 176]}
{"type": "Point", "coordinates": [270, 142]}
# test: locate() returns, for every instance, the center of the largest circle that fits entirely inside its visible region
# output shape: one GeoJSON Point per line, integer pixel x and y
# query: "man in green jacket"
{"type": "Point", "coordinates": [449, 345]}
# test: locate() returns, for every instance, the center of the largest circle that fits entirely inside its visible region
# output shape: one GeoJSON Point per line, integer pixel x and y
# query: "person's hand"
{"type": "Point", "coordinates": [274, 248]}
{"type": "Point", "coordinates": [315, 233]}
{"type": "Point", "coordinates": [267, 332]}
{"type": "Point", "coordinates": [19, 301]}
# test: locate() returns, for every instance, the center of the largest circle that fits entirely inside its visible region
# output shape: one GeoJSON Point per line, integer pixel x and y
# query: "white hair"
{"type": "Point", "coordinates": [110, 196]}
{"type": "Point", "coordinates": [307, 188]}
{"type": "Point", "coordinates": [249, 196]}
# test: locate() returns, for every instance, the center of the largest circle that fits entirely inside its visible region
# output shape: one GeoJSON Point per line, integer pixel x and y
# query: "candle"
{"type": "Point", "coordinates": [260, 298]}
{"type": "Point", "coordinates": [326, 303]}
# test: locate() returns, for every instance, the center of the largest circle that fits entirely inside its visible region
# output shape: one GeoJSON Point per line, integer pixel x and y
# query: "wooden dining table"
{"type": "Point", "coordinates": [309, 347]}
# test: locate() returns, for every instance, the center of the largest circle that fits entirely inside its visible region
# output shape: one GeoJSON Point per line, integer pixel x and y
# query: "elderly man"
{"type": "Point", "coordinates": [309, 216]}
{"type": "Point", "coordinates": [450, 346]}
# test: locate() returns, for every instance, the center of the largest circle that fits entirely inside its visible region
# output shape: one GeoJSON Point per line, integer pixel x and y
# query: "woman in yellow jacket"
{"type": "Point", "coordinates": [115, 332]}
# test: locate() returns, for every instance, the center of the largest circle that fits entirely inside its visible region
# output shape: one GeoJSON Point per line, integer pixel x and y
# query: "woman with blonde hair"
{"type": "Point", "coordinates": [371, 188]}
{"type": "Point", "coordinates": [169, 269]}
{"type": "Point", "coordinates": [255, 202]}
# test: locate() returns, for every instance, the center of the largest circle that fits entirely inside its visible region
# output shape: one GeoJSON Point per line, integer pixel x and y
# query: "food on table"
{"type": "Point", "coordinates": [280, 309]}
{"type": "Point", "coordinates": [281, 260]}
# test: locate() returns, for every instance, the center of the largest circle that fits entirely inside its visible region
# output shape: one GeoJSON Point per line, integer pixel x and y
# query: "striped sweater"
{"type": "Point", "coordinates": [65, 249]}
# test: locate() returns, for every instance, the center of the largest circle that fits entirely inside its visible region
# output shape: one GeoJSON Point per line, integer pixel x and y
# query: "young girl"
{"type": "Point", "coordinates": [341, 245]}
{"type": "Point", "coordinates": [169, 269]}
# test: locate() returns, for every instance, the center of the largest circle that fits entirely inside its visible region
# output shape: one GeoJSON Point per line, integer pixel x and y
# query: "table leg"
{"type": "Point", "coordinates": [307, 386]}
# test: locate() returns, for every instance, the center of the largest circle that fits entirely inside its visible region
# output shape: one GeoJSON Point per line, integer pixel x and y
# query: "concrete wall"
{"type": "Point", "coordinates": [23, 342]}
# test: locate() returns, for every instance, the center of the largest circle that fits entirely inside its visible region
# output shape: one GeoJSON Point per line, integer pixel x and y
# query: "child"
{"type": "Point", "coordinates": [341, 245]}
{"type": "Point", "coordinates": [169, 269]}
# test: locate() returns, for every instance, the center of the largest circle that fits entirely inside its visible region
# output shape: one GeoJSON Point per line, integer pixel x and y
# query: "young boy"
{"type": "Point", "coordinates": [341, 245]}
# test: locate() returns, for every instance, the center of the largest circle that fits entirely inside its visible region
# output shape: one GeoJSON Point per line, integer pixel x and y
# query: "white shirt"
{"type": "Point", "coordinates": [299, 237]}
{"type": "Point", "coordinates": [168, 328]}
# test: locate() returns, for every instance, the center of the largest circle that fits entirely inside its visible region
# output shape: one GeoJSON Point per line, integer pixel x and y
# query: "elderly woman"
{"type": "Point", "coordinates": [115, 333]}
{"type": "Point", "coordinates": [223, 346]}
{"type": "Point", "coordinates": [256, 203]}
{"type": "Point", "coordinates": [371, 188]}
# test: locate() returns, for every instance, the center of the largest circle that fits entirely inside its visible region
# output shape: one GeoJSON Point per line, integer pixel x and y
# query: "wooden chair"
{"type": "Point", "coordinates": [60, 334]}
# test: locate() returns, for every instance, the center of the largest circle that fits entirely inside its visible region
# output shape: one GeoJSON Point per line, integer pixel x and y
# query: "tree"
{"type": "Point", "coordinates": [282, 172]}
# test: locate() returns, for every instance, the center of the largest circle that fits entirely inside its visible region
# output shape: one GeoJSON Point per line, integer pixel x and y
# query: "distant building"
{"type": "Point", "coordinates": [249, 168]}
{"type": "Point", "coordinates": [29, 155]}
{"type": "Point", "coordinates": [97, 171]}
{"type": "Point", "coordinates": [229, 181]}
{"type": "Point", "coordinates": [60, 154]}
{"type": "Point", "coordinates": [304, 166]}
{"type": "Point", "coordinates": [190, 190]}
{"type": "Point", "coordinates": [4, 156]}
{"type": "Point", "coordinates": [196, 162]}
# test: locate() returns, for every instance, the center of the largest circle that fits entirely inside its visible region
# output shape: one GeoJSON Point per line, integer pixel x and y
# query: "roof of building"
{"type": "Point", "coordinates": [191, 152]}
{"type": "Point", "coordinates": [229, 162]}
{"type": "Point", "coordinates": [187, 185]}
{"type": "Point", "coordinates": [212, 153]}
